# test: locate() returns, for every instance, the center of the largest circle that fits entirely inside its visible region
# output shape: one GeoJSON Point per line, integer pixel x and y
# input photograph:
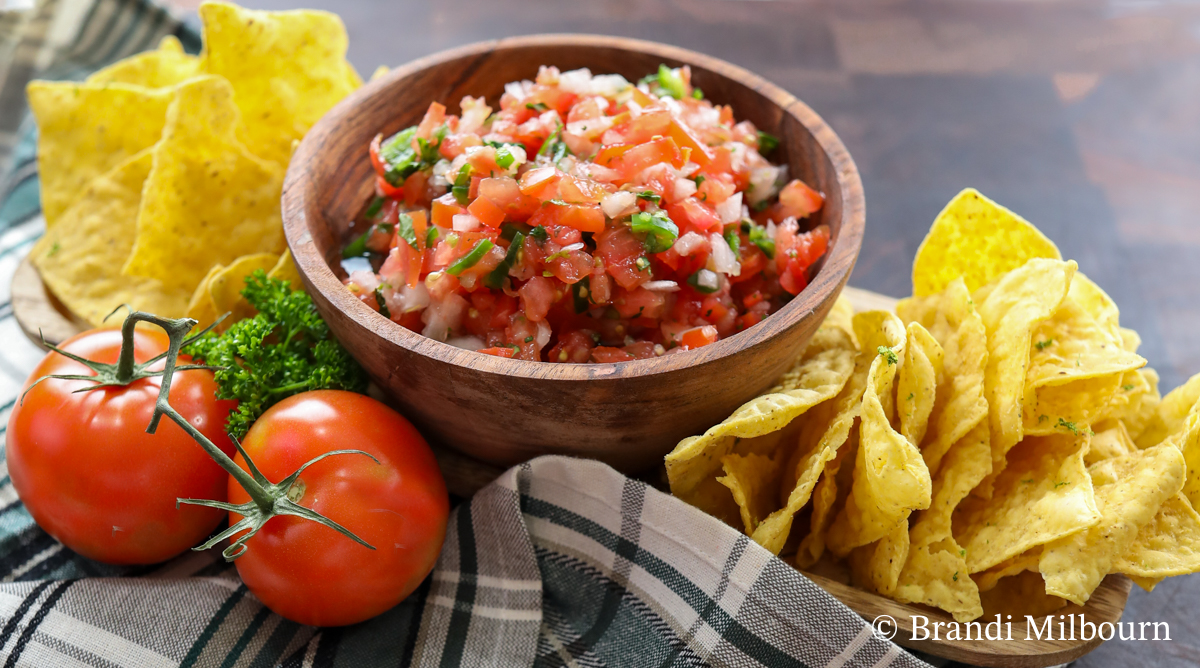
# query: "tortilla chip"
{"type": "Point", "coordinates": [1020, 595]}
{"type": "Point", "coordinates": [978, 240]}
{"type": "Point", "coordinates": [285, 269]}
{"type": "Point", "coordinates": [936, 575]}
{"type": "Point", "coordinates": [876, 567]}
{"type": "Point", "coordinates": [817, 376]}
{"type": "Point", "coordinates": [201, 307]}
{"type": "Point", "coordinates": [753, 481]}
{"type": "Point", "coordinates": [226, 286]}
{"type": "Point", "coordinates": [1110, 442]}
{"type": "Point", "coordinates": [1044, 494]}
{"type": "Point", "coordinates": [960, 405]}
{"type": "Point", "coordinates": [80, 260]}
{"type": "Point", "coordinates": [286, 68]}
{"type": "Point", "coordinates": [826, 430]}
{"type": "Point", "coordinates": [1169, 416]}
{"type": "Point", "coordinates": [1010, 311]}
{"type": "Point", "coordinates": [207, 200]}
{"type": "Point", "coordinates": [825, 498]}
{"type": "Point", "coordinates": [890, 476]}
{"type": "Point", "coordinates": [163, 68]}
{"type": "Point", "coordinates": [917, 382]}
{"type": "Point", "coordinates": [1076, 370]}
{"type": "Point", "coordinates": [1027, 561]}
{"type": "Point", "coordinates": [1147, 584]}
{"type": "Point", "coordinates": [1129, 491]}
{"type": "Point", "coordinates": [1167, 546]}
{"type": "Point", "coordinates": [85, 131]}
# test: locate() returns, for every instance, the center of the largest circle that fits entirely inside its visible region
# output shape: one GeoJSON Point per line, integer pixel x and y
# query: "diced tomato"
{"type": "Point", "coordinates": [641, 350]}
{"type": "Point", "coordinates": [415, 188]}
{"type": "Point", "coordinates": [420, 226]}
{"type": "Point", "coordinates": [434, 116]}
{"type": "Point", "coordinates": [698, 337]}
{"type": "Point", "coordinates": [650, 153]}
{"type": "Point", "coordinates": [647, 126]}
{"type": "Point", "coordinates": [798, 200]}
{"type": "Point", "coordinates": [611, 152]}
{"type": "Point", "coordinates": [620, 250]}
{"type": "Point", "coordinates": [574, 346]}
{"type": "Point", "coordinates": [486, 211]}
{"type": "Point", "coordinates": [685, 139]}
{"type": "Point", "coordinates": [498, 351]}
{"type": "Point", "coordinates": [713, 310]}
{"type": "Point", "coordinates": [505, 193]}
{"type": "Point", "coordinates": [504, 307]}
{"type": "Point", "coordinates": [716, 189]}
{"type": "Point", "coordinates": [605, 355]}
{"type": "Point", "coordinates": [753, 261]}
{"type": "Point", "coordinates": [537, 295]}
{"type": "Point", "coordinates": [402, 266]}
{"type": "Point", "coordinates": [570, 268]}
{"type": "Point", "coordinates": [538, 183]}
{"type": "Point", "coordinates": [583, 217]}
{"type": "Point", "coordinates": [483, 161]}
{"type": "Point", "coordinates": [457, 144]}
{"type": "Point", "coordinates": [690, 214]}
{"type": "Point", "coordinates": [376, 161]}
{"type": "Point", "coordinates": [575, 190]}
{"type": "Point", "coordinates": [639, 303]}
{"type": "Point", "coordinates": [445, 208]}
{"type": "Point", "coordinates": [386, 189]}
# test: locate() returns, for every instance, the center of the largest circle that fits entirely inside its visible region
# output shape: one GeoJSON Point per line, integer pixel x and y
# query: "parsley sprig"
{"type": "Point", "coordinates": [285, 349]}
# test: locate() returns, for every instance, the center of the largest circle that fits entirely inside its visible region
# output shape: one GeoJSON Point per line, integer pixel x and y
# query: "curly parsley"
{"type": "Point", "coordinates": [285, 349]}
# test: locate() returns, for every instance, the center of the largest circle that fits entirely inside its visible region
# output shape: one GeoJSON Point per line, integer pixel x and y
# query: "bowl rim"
{"type": "Point", "coordinates": [300, 192]}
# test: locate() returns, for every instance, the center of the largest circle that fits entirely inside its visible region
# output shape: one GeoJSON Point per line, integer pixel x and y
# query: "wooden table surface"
{"type": "Point", "coordinates": [1083, 117]}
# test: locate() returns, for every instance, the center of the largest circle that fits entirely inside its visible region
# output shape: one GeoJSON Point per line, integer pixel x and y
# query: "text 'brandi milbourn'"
{"type": "Point", "coordinates": [1062, 627]}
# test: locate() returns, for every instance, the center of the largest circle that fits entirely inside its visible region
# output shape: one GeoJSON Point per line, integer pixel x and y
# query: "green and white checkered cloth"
{"type": "Point", "coordinates": [559, 562]}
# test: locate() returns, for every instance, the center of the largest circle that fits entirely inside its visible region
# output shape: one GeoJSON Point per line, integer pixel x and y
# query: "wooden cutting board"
{"type": "Point", "coordinates": [41, 315]}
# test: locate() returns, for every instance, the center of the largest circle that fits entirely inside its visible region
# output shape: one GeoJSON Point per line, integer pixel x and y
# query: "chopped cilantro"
{"type": "Point", "coordinates": [1069, 426]}
{"type": "Point", "coordinates": [649, 196]}
{"type": "Point", "coordinates": [537, 106]}
{"type": "Point", "coordinates": [767, 142]}
{"type": "Point", "coordinates": [374, 208]}
{"type": "Point", "coordinates": [1127, 388]}
{"type": "Point", "coordinates": [888, 354]}
{"type": "Point", "coordinates": [404, 230]}
{"type": "Point", "coordinates": [1042, 345]}
{"type": "Point", "coordinates": [381, 302]}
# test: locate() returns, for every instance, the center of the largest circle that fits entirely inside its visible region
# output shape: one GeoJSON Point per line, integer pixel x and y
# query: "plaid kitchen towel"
{"type": "Point", "coordinates": [559, 562]}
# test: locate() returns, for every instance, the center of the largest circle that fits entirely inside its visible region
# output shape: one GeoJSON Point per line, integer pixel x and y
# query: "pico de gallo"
{"type": "Point", "coordinates": [588, 219]}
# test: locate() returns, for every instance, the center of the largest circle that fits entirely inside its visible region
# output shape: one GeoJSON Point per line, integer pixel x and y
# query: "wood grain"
{"type": "Point", "coordinates": [506, 411]}
{"type": "Point", "coordinates": [465, 476]}
{"type": "Point", "coordinates": [37, 311]}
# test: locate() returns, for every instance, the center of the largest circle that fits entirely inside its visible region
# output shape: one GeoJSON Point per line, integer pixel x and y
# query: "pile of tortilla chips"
{"type": "Point", "coordinates": [995, 446]}
{"type": "Point", "coordinates": [161, 174]}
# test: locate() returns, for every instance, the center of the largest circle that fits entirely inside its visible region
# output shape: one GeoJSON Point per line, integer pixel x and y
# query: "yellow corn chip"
{"type": "Point", "coordinates": [80, 260]}
{"type": "Point", "coordinates": [1020, 595]}
{"type": "Point", "coordinates": [978, 240]}
{"type": "Point", "coordinates": [1147, 584]}
{"type": "Point", "coordinates": [86, 130]}
{"type": "Point", "coordinates": [1167, 546]}
{"type": "Point", "coordinates": [167, 66]}
{"type": "Point", "coordinates": [287, 69]}
{"type": "Point", "coordinates": [207, 200]}
{"type": "Point", "coordinates": [890, 477]}
{"type": "Point", "coordinates": [936, 575]}
{"type": "Point", "coordinates": [753, 481]}
{"type": "Point", "coordinates": [201, 307]}
{"type": "Point", "coordinates": [1011, 310]}
{"type": "Point", "coordinates": [825, 431]}
{"type": "Point", "coordinates": [960, 406]}
{"type": "Point", "coordinates": [1129, 491]}
{"type": "Point", "coordinates": [285, 269]}
{"type": "Point", "coordinates": [917, 382]}
{"type": "Point", "coordinates": [1044, 494]}
{"type": "Point", "coordinates": [1076, 370]}
{"type": "Point", "coordinates": [1169, 416]}
{"type": "Point", "coordinates": [1144, 400]}
{"type": "Point", "coordinates": [817, 376]}
{"type": "Point", "coordinates": [1111, 441]}
{"type": "Point", "coordinates": [1027, 561]}
{"type": "Point", "coordinates": [876, 567]}
{"type": "Point", "coordinates": [825, 498]}
{"type": "Point", "coordinates": [226, 286]}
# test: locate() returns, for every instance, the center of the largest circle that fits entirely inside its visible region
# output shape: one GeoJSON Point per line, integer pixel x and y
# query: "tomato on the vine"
{"type": "Point", "coordinates": [90, 475]}
{"type": "Point", "coordinates": [309, 572]}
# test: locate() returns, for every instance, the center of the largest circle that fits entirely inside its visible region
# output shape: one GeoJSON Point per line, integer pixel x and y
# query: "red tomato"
{"type": "Point", "coordinates": [445, 208]}
{"type": "Point", "coordinates": [797, 199]}
{"type": "Point", "coordinates": [91, 476]}
{"type": "Point", "coordinates": [698, 337]}
{"type": "Point", "coordinates": [487, 212]}
{"type": "Point", "coordinates": [310, 573]}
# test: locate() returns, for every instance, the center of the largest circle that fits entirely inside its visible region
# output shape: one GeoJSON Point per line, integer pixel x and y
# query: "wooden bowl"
{"type": "Point", "coordinates": [503, 411]}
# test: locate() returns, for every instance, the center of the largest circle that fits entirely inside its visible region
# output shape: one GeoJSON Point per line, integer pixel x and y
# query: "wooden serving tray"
{"type": "Point", "coordinates": [37, 311]}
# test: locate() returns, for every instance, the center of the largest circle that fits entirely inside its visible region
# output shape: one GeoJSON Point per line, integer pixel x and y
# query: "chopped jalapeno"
{"type": "Point", "coordinates": [495, 278]}
{"type": "Point", "coordinates": [657, 230]}
{"type": "Point", "coordinates": [705, 281]}
{"type": "Point", "coordinates": [470, 259]}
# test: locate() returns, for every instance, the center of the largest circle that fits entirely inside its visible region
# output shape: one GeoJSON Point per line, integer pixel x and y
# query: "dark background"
{"type": "Point", "coordinates": [1082, 117]}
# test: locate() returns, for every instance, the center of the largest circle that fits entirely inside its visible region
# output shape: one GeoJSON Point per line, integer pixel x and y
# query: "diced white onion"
{"type": "Point", "coordinates": [543, 333]}
{"type": "Point", "coordinates": [576, 81]}
{"type": "Point", "coordinates": [615, 204]}
{"type": "Point", "coordinates": [443, 317]}
{"type": "Point", "coordinates": [771, 229]}
{"type": "Point", "coordinates": [661, 286]}
{"type": "Point", "coordinates": [765, 183]}
{"type": "Point", "coordinates": [684, 188]}
{"type": "Point", "coordinates": [578, 245]}
{"type": "Point", "coordinates": [516, 88]}
{"type": "Point", "coordinates": [688, 169]}
{"type": "Point", "coordinates": [467, 342]}
{"type": "Point", "coordinates": [634, 108]}
{"type": "Point", "coordinates": [730, 210]}
{"type": "Point", "coordinates": [405, 299]}
{"type": "Point", "coordinates": [465, 222]}
{"type": "Point", "coordinates": [365, 280]}
{"type": "Point", "coordinates": [687, 243]}
{"type": "Point", "coordinates": [609, 85]}
{"type": "Point", "coordinates": [604, 174]}
{"type": "Point", "coordinates": [723, 259]}
{"type": "Point", "coordinates": [708, 280]}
